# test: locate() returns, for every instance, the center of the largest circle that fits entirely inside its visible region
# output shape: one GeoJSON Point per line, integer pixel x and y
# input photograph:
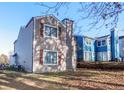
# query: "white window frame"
{"type": "Point", "coordinates": [102, 56]}
{"type": "Point", "coordinates": [101, 42]}
{"type": "Point", "coordinates": [45, 50]}
{"type": "Point", "coordinates": [88, 55]}
{"type": "Point", "coordinates": [88, 42]}
{"type": "Point", "coordinates": [105, 42]}
{"type": "Point", "coordinates": [50, 36]}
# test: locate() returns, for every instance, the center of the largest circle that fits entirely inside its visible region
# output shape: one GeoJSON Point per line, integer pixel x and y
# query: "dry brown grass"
{"type": "Point", "coordinates": [81, 79]}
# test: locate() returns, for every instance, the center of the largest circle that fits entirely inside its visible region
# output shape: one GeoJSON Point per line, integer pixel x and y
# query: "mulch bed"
{"type": "Point", "coordinates": [101, 65]}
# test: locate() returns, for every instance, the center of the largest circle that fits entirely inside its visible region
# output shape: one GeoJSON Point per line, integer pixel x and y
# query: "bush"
{"type": "Point", "coordinates": [16, 68]}
{"type": "Point", "coordinates": [3, 66]}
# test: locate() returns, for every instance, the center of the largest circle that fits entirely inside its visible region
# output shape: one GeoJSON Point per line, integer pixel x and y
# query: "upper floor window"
{"type": "Point", "coordinates": [50, 31]}
{"type": "Point", "coordinates": [103, 42]}
{"type": "Point", "coordinates": [88, 41]}
{"type": "Point", "coordinates": [98, 43]}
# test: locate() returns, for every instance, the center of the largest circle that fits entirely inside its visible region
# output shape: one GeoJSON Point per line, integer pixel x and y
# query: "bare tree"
{"type": "Point", "coordinates": [105, 13]}
{"type": "Point", "coordinates": [3, 59]}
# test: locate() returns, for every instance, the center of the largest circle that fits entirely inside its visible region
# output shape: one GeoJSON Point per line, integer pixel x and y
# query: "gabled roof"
{"type": "Point", "coordinates": [41, 17]}
{"type": "Point", "coordinates": [83, 36]}
{"type": "Point", "coordinates": [45, 16]}
{"type": "Point", "coordinates": [102, 36]}
{"type": "Point", "coordinates": [29, 22]}
{"type": "Point", "coordinates": [88, 37]}
{"type": "Point", "coordinates": [52, 16]}
{"type": "Point", "coordinates": [15, 41]}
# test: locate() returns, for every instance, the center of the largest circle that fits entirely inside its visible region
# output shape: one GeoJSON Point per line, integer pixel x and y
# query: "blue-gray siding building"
{"type": "Point", "coordinates": [105, 48]}
{"type": "Point", "coordinates": [85, 48]}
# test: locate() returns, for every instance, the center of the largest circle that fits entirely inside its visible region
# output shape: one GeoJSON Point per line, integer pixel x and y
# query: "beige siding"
{"type": "Point", "coordinates": [52, 44]}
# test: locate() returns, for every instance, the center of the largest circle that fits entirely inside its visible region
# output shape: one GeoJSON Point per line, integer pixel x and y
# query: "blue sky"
{"type": "Point", "coordinates": [14, 15]}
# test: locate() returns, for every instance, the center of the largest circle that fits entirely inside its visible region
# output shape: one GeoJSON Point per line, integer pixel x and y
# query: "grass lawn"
{"type": "Point", "coordinates": [81, 79]}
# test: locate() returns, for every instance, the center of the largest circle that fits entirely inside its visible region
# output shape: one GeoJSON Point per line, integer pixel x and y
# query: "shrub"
{"type": "Point", "coordinates": [16, 68]}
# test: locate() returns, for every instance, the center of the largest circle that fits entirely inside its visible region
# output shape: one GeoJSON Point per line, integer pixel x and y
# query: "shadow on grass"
{"type": "Point", "coordinates": [12, 83]}
{"type": "Point", "coordinates": [63, 83]}
{"type": "Point", "coordinates": [67, 74]}
{"type": "Point", "coordinates": [11, 78]}
{"type": "Point", "coordinates": [18, 85]}
{"type": "Point", "coordinates": [108, 83]}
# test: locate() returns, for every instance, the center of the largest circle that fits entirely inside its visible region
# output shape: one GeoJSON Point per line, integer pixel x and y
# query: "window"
{"type": "Point", "coordinates": [88, 56]}
{"type": "Point", "coordinates": [50, 57]}
{"type": "Point", "coordinates": [98, 43]}
{"type": "Point", "coordinates": [50, 31]}
{"type": "Point", "coordinates": [88, 41]}
{"type": "Point", "coordinates": [109, 42]}
{"type": "Point", "coordinates": [60, 31]}
{"type": "Point", "coordinates": [102, 56]}
{"type": "Point", "coordinates": [103, 42]}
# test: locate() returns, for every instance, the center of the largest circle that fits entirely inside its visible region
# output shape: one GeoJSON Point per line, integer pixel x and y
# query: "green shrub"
{"type": "Point", "coordinates": [16, 68]}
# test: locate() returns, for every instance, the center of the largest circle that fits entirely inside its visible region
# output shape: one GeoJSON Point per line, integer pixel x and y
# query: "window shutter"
{"type": "Point", "coordinates": [60, 31]}
{"type": "Point", "coordinates": [59, 57]}
{"type": "Point", "coordinates": [41, 56]}
{"type": "Point", "coordinates": [41, 29]}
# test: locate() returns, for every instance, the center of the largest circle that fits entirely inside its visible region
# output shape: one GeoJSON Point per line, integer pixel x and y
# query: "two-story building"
{"type": "Point", "coordinates": [45, 44]}
{"type": "Point", "coordinates": [104, 48]}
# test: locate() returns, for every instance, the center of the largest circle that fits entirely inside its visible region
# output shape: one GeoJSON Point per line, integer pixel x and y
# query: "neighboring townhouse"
{"type": "Point", "coordinates": [85, 48]}
{"type": "Point", "coordinates": [45, 44]}
{"type": "Point", "coordinates": [105, 48]}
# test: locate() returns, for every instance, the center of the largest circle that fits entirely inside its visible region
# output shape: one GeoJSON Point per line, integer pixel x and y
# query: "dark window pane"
{"type": "Point", "coordinates": [98, 43]}
{"type": "Point", "coordinates": [103, 42]}
{"type": "Point", "coordinates": [54, 32]}
{"type": "Point", "coordinates": [50, 31]}
{"type": "Point", "coordinates": [50, 57]}
{"type": "Point", "coordinates": [47, 30]}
